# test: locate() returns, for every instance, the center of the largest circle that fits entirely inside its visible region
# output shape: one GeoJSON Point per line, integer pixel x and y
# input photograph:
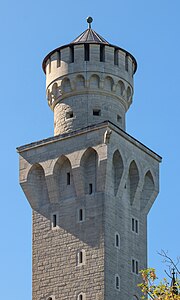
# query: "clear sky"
{"type": "Point", "coordinates": [150, 30]}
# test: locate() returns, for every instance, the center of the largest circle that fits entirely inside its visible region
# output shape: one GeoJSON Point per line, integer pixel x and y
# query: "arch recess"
{"type": "Point", "coordinates": [148, 189]}
{"type": "Point", "coordinates": [133, 180]}
{"type": "Point", "coordinates": [129, 94]}
{"type": "Point", "coordinates": [64, 178]}
{"type": "Point", "coordinates": [94, 81]}
{"type": "Point", "coordinates": [80, 82]}
{"type": "Point", "coordinates": [108, 83]}
{"type": "Point", "coordinates": [120, 88]}
{"type": "Point", "coordinates": [89, 164]}
{"type": "Point", "coordinates": [66, 85]}
{"type": "Point", "coordinates": [37, 187]}
{"type": "Point", "coordinates": [117, 169]}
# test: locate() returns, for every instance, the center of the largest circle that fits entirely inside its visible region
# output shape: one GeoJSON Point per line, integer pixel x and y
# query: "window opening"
{"type": "Point", "coordinates": [71, 54]}
{"type": "Point", "coordinates": [54, 220]}
{"type": "Point", "coordinates": [68, 178]}
{"type": "Point", "coordinates": [80, 297]}
{"type": "Point", "coordinates": [80, 257]}
{"type": "Point", "coordinates": [90, 188]}
{"type": "Point", "coordinates": [69, 115]}
{"type": "Point", "coordinates": [96, 112]}
{"type": "Point", "coordinates": [116, 57]}
{"type": "Point", "coordinates": [135, 225]}
{"type": "Point", "coordinates": [119, 119]}
{"type": "Point", "coordinates": [135, 266]}
{"type": "Point", "coordinates": [117, 282]}
{"type": "Point", "coordinates": [58, 59]}
{"type": "Point", "coordinates": [126, 62]}
{"type": "Point", "coordinates": [86, 52]}
{"type": "Point", "coordinates": [117, 240]}
{"type": "Point", "coordinates": [81, 215]}
{"type": "Point", "coordinates": [102, 53]}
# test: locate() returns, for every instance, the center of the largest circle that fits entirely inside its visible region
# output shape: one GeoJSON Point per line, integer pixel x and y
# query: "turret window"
{"type": "Point", "coordinates": [135, 225]}
{"type": "Point", "coordinates": [81, 257]}
{"type": "Point", "coordinates": [135, 266]}
{"type": "Point", "coordinates": [96, 112]}
{"type": "Point", "coordinates": [86, 52]}
{"type": "Point", "coordinates": [126, 62]}
{"type": "Point", "coordinates": [69, 115]}
{"type": "Point", "coordinates": [117, 282]}
{"type": "Point", "coordinates": [58, 59]}
{"type": "Point", "coordinates": [68, 178]}
{"type": "Point", "coordinates": [102, 53]}
{"type": "Point", "coordinates": [81, 296]}
{"type": "Point", "coordinates": [116, 57]}
{"type": "Point", "coordinates": [81, 215]}
{"type": "Point", "coordinates": [54, 220]}
{"type": "Point", "coordinates": [71, 54]}
{"type": "Point", "coordinates": [117, 240]}
{"type": "Point", "coordinates": [90, 188]}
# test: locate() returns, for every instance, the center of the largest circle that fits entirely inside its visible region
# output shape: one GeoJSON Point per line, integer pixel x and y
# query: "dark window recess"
{"type": "Point", "coordinates": [90, 188]}
{"type": "Point", "coordinates": [137, 268]}
{"type": "Point", "coordinates": [126, 63]}
{"type": "Point", "coordinates": [136, 226]}
{"type": "Point", "coordinates": [71, 54]}
{"type": "Point", "coordinates": [117, 240]}
{"type": "Point", "coordinates": [81, 214]}
{"type": "Point", "coordinates": [81, 297]}
{"type": "Point", "coordinates": [69, 115]}
{"type": "Point", "coordinates": [117, 283]}
{"type": "Point", "coordinates": [80, 257]}
{"type": "Point", "coordinates": [102, 53]}
{"type": "Point", "coordinates": [68, 178]}
{"type": "Point", "coordinates": [58, 59]}
{"type": "Point", "coordinates": [133, 225]}
{"type": "Point", "coordinates": [133, 265]}
{"type": "Point", "coordinates": [96, 112]}
{"type": "Point", "coordinates": [116, 57]}
{"type": "Point", "coordinates": [86, 52]}
{"type": "Point", "coordinates": [119, 119]}
{"type": "Point", "coordinates": [54, 220]}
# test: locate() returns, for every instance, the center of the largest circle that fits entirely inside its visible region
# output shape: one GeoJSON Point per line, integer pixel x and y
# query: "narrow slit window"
{"type": "Point", "coordinates": [117, 240]}
{"type": "Point", "coordinates": [126, 62]}
{"type": "Point", "coordinates": [49, 65]}
{"type": "Point", "coordinates": [68, 178]}
{"type": "Point", "coordinates": [58, 59]}
{"type": "Point", "coordinates": [96, 112]}
{"type": "Point", "coordinates": [80, 297]}
{"type": "Point", "coordinates": [137, 268]}
{"type": "Point", "coordinates": [90, 188]}
{"type": "Point", "coordinates": [133, 225]}
{"type": "Point", "coordinates": [71, 54]}
{"type": "Point", "coordinates": [54, 220]}
{"type": "Point", "coordinates": [86, 52]}
{"type": "Point", "coordinates": [116, 57]}
{"type": "Point", "coordinates": [117, 282]}
{"type": "Point", "coordinates": [133, 265]}
{"type": "Point", "coordinates": [80, 257]}
{"type": "Point", "coordinates": [102, 53]}
{"type": "Point", "coordinates": [81, 215]}
{"type": "Point", "coordinates": [119, 119]}
{"type": "Point", "coordinates": [136, 226]}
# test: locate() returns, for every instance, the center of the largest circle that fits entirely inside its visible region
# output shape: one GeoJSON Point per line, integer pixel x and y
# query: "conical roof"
{"type": "Point", "coordinates": [89, 36]}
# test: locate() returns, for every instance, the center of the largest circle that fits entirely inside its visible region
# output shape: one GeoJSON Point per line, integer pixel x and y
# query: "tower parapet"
{"type": "Point", "coordinates": [88, 81]}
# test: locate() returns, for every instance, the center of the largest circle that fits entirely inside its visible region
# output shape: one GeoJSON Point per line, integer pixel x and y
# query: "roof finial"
{"type": "Point", "coordinates": [89, 20]}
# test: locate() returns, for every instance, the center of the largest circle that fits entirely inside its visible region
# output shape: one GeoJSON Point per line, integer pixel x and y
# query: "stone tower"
{"type": "Point", "coordinates": [92, 185]}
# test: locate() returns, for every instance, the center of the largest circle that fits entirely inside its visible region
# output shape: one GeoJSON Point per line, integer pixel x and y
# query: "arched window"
{"type": "Point", "coordinates": [81, 296]}
{"type": "Point", "coordinates": [117, 282]}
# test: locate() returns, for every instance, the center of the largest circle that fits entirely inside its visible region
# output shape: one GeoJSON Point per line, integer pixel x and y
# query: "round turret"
{"type": "Point", "coordinates": [88, 81]}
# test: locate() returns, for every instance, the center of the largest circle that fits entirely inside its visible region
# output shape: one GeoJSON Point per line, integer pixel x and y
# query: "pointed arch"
{"type": "Point", "coordinates": [66, 85]}
{"type": "Point", "coordinates": [37, 187]}
{"type": "Point", "coordinates": [64, 178]}
{"type": "Point", "coordinates": [80, 82]}
{"type": "Point", "coordinates": [117, 169]}
{"type": "Point", "coordinates": [120, 88]}
{"type": "Point", "coordinates": [94, 81]}
{"type": "Point", "coordinates": [108, 83]}
{"type": "Point", "coordinates": [89, 164]}
{"type": "Point", "coordinates": [148, 189]}
{"type": "Point", "coordinates": [133, 180]}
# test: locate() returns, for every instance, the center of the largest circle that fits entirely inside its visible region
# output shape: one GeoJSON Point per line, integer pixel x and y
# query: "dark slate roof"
{"type": "Point", "coordinates": [90, 36]}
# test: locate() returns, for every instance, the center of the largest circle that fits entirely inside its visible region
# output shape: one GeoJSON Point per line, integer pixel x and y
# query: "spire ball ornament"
{"type": "Point", "coordinates": [89, 21]}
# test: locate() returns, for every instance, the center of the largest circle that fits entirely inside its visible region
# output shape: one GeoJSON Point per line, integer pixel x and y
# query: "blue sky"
{"type": "Point", "coordinates": [150, 30]}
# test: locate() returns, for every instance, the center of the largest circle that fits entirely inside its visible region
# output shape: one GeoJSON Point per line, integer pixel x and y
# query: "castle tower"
{"type": "Point", "coordinates": [92, 185]}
